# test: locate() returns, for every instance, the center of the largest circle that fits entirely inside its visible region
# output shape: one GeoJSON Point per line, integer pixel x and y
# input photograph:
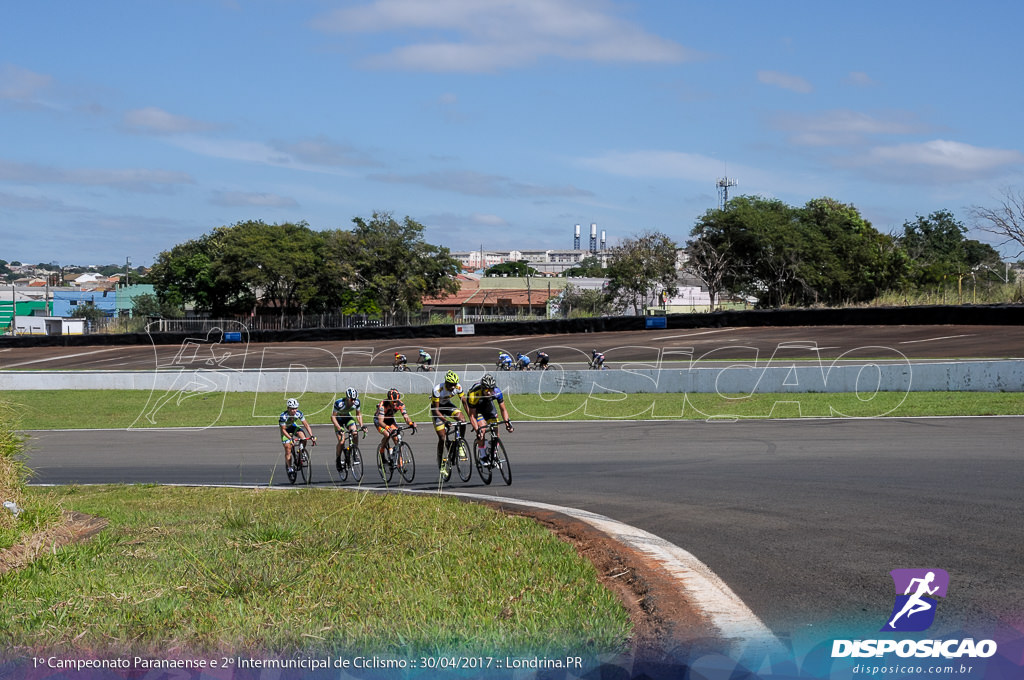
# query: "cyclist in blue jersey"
{"type": "Point", "coordinates": [293, 424]}
{"type": "Point", "coordinates": [523, 362]}
{"type": "Point", "coordinates": [505, 361]}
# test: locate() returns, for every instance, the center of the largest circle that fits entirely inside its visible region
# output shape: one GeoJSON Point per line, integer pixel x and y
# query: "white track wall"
{"type": "Point", "coordinates": [863, 378]}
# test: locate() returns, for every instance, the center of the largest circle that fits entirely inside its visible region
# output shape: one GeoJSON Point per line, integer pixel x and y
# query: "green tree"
{"type": "Point", "coordinates": [939, 250]}
{"type": "Point", "coordinates": [145, 305]}
{"type": "Point", "coordinates": [519, 268]}
{"type": "Point", "coordinates": [277, 264]}
{"type": "Point", "coordinates": [640, 268]}
{"type": "Point", "coordinates": [396, 267]}
{"type": "Point", "coordinates": [590, 266]}
{"type": "Point", "coordinates": [88, 311]}
{"type": "Point", "coordinates": [583, 302]}
{"type": "Point", "coordinates": [824, 252]}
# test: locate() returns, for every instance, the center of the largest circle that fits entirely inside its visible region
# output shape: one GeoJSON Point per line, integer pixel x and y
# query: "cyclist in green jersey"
{"type": "Point", "coordinates": [293, 424]}
{"type": "Point", "coordinates": [347, 418]}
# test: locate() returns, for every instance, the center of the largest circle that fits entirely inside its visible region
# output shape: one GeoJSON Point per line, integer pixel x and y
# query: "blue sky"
{"type": "Point", "coordinates": [127, 127]}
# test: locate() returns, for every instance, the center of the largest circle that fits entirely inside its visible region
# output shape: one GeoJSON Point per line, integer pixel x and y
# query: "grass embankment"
{"type": "Point", "coordinates": [115, 409]}
{"type": "Point", "coordinates": [36, 512]}
{"type": "Point", "coordinates": [314, 570]}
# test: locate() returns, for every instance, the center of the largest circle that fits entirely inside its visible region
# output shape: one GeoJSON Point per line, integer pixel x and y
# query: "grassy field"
{"type": "Point", "coordinates": [97, 409]}
{"type": "Point", "coordinates": [229, 570]}
{"type": "Point", "coordinates": [276, 571]}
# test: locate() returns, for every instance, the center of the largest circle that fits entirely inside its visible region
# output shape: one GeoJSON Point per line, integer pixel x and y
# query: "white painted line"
{"type": "Point", "coordinates": [63, 356]}
{"type": "Point", "coordinates": [945, 337]}
{"type": "Point", "coordinates": [735, 622]}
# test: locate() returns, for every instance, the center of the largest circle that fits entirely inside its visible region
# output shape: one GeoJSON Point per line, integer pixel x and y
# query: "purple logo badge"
{"type": "Point", "coordinates": [916, 593]}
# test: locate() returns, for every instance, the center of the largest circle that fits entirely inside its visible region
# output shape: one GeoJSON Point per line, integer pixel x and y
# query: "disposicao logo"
{"type": "Point", "coordinates": [914, 609]}
{"type": "Point", "coordinates": [917, 591]}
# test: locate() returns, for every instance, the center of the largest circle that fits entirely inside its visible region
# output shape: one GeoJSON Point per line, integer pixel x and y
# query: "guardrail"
{"type": "Point", "coordinates": [737, 378]}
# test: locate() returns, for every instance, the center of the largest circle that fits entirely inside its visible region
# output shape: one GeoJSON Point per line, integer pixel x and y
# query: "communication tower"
{"type": "Point", "coordinates": [723, 185]}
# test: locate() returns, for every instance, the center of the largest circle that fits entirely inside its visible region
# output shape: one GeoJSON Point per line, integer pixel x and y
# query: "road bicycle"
{"type": "Point", "coordinates": [300, 461]}
{"type": "Point", "coordinates": [496, 456]}
{"type": "Point", "coordinates": [401, 458]}
{"type": "Point", "coordinates": [399, 367]}
{"type": "Point", "coordinates": [456, 454]}
{"type": "Point", "coordinates": [597, 365]}
{"type": "Point", "coordinates": [351, 459]}
{"type": "Point", "coordinates": [424, 366]}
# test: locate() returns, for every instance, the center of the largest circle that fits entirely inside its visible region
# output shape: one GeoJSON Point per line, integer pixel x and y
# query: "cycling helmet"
{"type": "Point", "coordinates": [488, 382]}
{"type": "Point", "coordinates": [451, 378]}
{"type": "Point", "coordinates": [292, 403]}
{"type": "Point", "coordinates": [394, 395]}
{"type": "Point", "coordinates": [351, 393]}
{"type": "Point", "coordinates": [398, 354]}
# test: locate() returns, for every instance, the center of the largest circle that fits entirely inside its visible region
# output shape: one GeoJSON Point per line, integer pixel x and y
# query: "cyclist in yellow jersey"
{"type": "Point", "coordinates": [442, 408]}
{"type": "Point", "coordinates": [481, 398]}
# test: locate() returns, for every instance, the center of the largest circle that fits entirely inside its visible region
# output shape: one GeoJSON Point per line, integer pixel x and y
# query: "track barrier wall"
{"type": "Point", "coordinates": [863, 377]}
{"type": "Point", "coordinates": [985, 315]}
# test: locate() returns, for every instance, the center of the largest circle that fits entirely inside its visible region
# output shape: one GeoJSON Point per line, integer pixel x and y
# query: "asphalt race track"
{"type": "Point", "coordinates": [803, 519]}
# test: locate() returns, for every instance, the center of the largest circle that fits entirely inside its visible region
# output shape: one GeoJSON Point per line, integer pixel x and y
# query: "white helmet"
{"type": "Point", "coordinates": [292, 403]}
{"type": "Point", "coordinates": [351, 393]}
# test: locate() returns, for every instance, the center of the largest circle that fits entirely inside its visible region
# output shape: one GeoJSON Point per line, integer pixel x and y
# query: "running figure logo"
{"type": "Point", "coordinates": [914, 610]}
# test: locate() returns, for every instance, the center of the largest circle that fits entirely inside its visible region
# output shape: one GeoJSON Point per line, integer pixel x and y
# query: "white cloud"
{"type": "Point", "coordinates": [472, 183]}
{"type": "Point", "coordinates": [945, 154]}
{"type": "Point", "coordinates": [502, 34]}
{"type": "Point", "coordinates": [322, 151]}
{"type": "Point", "coordinates": [152, 120]}
{"type": "Point", "coordinates": [656, 164]}
{"type": "Point", "coordinates": [21, 85]}
{"type": "Point", "coordinates": [843, 127]}
{"type": "Point", "coordinates": [315, 155]}
{"type": "Point", "coordinates": [937, 161]}
{"type": "Point", "coordinates": [785, 80]}
{"type": "Point", "coordinates": [242, 198]}
{"type": "Point", "coordinates": [860, 79]}
{"type": "Point", "coordinates": [134, 179]}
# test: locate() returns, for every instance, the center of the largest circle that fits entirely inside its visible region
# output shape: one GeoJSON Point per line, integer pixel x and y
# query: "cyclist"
{"type": "Point", "coordinates": [293, 424]}
{"type": "Point", "coordinates": [522, 362]}
{"type": "Point", "coordinates": [400, 362]}
{"type": "Point", "coordinates": [346, 418]}
{"type": "Point", "coordinates": [384, 418]}
{"type": "Point", "coordinates": [596, 359]}
{"type": "Point", "coordinates": [504, 361]}
{"type": "Point", "coordinates": [542, 360]}
{"type": "Point", "coordinates": [442, 408]}
{"type": "Point", "coordinates": [481, 398]}
{"type": "Point", "coordinates": [426, 361]}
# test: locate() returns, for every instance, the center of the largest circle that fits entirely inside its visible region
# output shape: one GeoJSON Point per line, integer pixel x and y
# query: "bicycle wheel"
{"type": "Point", "coordinates": [463, 461]}
{"type": "Point", "coordinates": [483, 469]}
{"type": "Point", "coordinates": [342, 465]}
{"type": "Point", "coordinates": [406, 463]}
{"type": "Point", "coordinates": [303, 467]}
{"type": "Point", "coordinates": [355, 463]}
{"type": "Point", "coordinates": [446, 462]}
{"type": "Point", "coordinates": [385, 468]}
{"type": "Point", "coordinates": [500, 459]}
